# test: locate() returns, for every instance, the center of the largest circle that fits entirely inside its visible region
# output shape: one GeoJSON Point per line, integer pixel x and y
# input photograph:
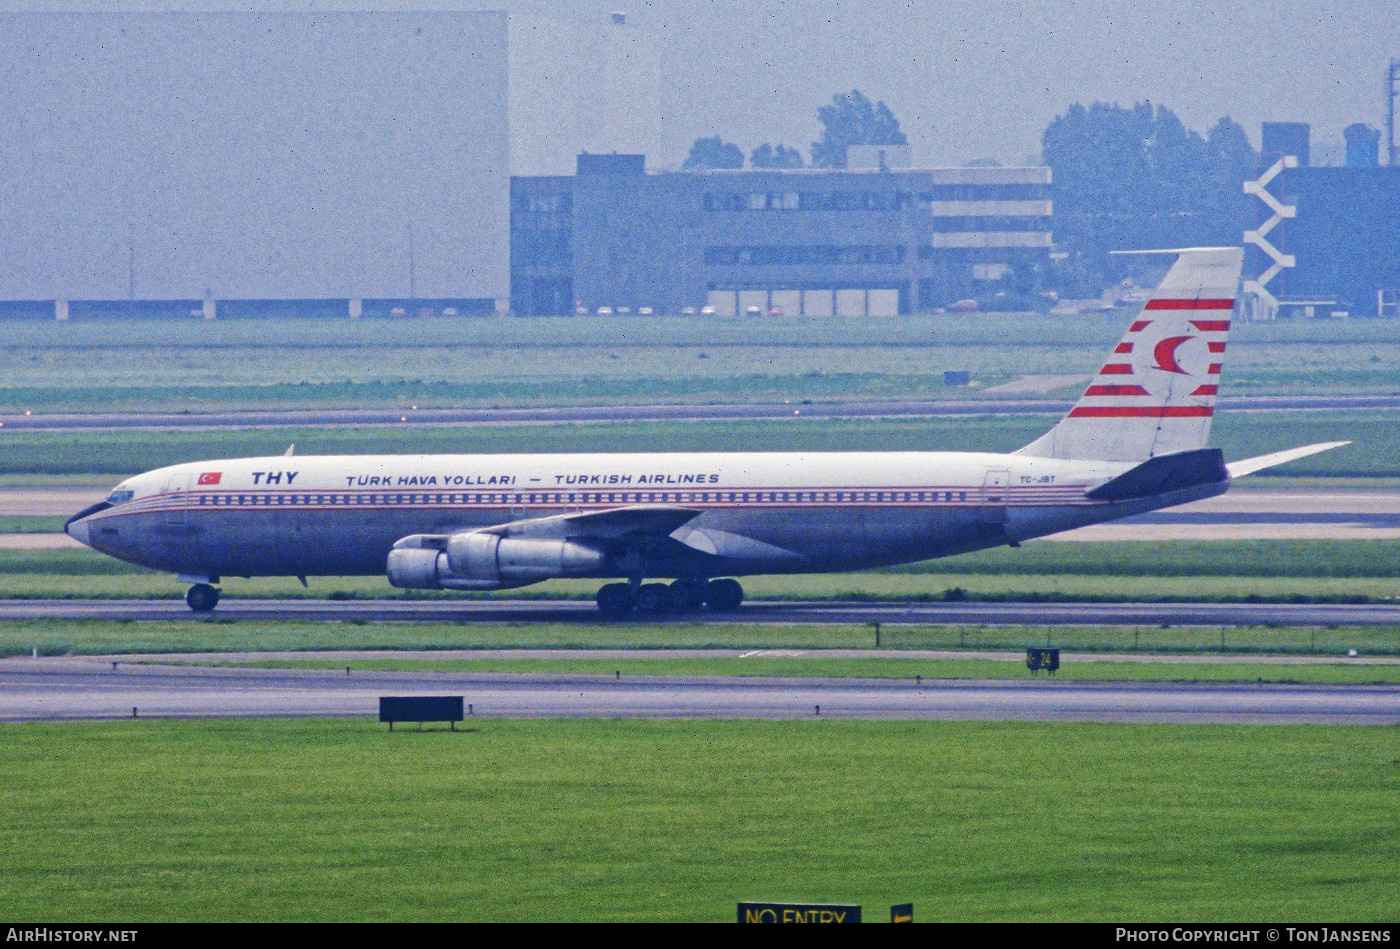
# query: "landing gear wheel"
{"type": "Point", "coordinates": [686, 596]}
{"type": "Point", "coordinates": [653, 599]}
{"type": "Point", "coordinates": [723, 596]}
{"type": "Point", "coordinates": [202, 598]}
{"type": "Point", "coordinates": [615, 601]}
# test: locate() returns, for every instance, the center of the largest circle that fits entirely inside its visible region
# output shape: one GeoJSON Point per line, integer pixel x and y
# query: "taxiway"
{"type": "Point", "coordinates": [84, 689]}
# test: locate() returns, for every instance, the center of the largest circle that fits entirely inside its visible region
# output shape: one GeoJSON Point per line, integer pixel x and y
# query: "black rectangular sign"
{"type": "Point", "coordinates": [1039, 657]}
{"type": "Point", "coordinates": [798, 913]}
{"type": "Point", "coordinates": [902, 913]}
{"type": "Point", "coordinates": [420, 708]}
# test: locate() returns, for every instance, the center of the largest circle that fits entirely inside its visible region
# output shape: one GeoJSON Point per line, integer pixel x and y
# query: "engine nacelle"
{"type": "Point", "coordinates": [420, 568]}
{"type": "Point", "coordinates": [478, 556]}
{"type": "Point", "coordinates": [477, 561]}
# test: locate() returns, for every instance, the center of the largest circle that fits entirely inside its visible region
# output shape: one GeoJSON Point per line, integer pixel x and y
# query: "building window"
{"type": "Point", "coordinates": [804, 255]}
{"type": "Point", "coordinates": [724, 202]}
{"type": "Point", "coordinates": [809, 201]}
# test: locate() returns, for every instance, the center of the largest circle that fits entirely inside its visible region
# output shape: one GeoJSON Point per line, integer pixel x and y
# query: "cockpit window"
{"type": "Point", "coordinates": [117, 497]}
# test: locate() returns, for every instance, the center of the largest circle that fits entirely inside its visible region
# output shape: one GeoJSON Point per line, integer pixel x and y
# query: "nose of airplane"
{"type": "Point", "coordinates": [78, 530]}
{"type": "Point", "coordinates": [77, 526]}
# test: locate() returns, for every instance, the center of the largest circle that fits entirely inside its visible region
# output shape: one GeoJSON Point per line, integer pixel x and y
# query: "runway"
{"type": "Point", "coordinates": [33, 690]}
{"type": "Point", "coordinates": [891, 408]}
{"type": "Point", "coordinates": [757, 612]}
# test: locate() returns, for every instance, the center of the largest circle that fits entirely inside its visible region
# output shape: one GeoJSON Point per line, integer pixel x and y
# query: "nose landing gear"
{"type": "Point", "coordinates": [202, 597]}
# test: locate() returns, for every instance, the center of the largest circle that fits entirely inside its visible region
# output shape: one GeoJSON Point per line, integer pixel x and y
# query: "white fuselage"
{"type": "Point", "coordinates": [757, 512]}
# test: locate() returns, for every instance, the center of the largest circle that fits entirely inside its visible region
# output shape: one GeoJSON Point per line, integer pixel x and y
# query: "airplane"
{"type": "Point", "coordinates": [1136, 441]}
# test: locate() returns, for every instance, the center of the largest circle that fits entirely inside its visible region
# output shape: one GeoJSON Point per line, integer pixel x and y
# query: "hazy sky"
{"type": "Point", "coordinates": [968, 78]}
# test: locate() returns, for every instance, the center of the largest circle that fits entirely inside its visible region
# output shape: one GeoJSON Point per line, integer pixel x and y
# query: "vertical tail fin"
{"type": "Point", "coordinates": [1155, 394]}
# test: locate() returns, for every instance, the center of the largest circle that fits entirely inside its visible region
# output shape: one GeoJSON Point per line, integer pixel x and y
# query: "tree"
{"type": "Point", "coordinates": [1231, 161]}
{"type": "Point", "coordinates": [714, 152]}
{"type": "Point", "coordinates": [852, 119]}
{"type": "Point", "coordinates": [780, 156]}
{"type": "Point", "coordinates": [1137, 178]}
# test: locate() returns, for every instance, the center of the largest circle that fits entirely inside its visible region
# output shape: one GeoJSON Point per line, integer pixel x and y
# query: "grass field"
{"type": "Point", "coordinates": [869, 668]}
{"type": "Point", "coordinates": [1375, 451]}
{"type": "Point", "coordinates": [634, 820]}
{"type": "Point", "coordinates": [1038, 571]}
{"type": "Point", "coordinates": [342, 363]}
{"type": "Point", "coordinates": [99, 637]}
{"type": "Point", "coordinates": [31, 524]}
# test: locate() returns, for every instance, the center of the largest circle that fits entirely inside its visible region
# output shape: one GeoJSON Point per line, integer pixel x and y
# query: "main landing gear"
{"type": "Point", "coordinates": [202, 597]}
{"type": "Point", "coordinates": [620, 600]}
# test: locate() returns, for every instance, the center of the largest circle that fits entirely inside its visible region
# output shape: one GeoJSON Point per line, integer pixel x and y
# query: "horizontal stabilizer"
{"type": "Point", "coordinates": [1185, 469]}
{"type": "Point", "coordinates": [1238, 469]}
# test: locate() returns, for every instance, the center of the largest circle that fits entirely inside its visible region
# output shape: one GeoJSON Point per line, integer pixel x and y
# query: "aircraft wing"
{"type": "Point", "coordinates": [637, 525]}
{"type": "Point", "coordinates": [613, 524]}
{"type": "Point", "coordinates": [1238, 469]}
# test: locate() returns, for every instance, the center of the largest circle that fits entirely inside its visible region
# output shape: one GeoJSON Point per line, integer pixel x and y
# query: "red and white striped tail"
{"type": "Point", "coordinates": [1155, 394]}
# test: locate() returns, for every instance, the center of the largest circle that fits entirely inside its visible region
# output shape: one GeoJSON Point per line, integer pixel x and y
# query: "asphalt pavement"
{"type": "Point", "coordinates": [83, 689]}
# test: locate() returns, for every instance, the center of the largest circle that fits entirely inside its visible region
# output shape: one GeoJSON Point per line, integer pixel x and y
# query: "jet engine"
{"type": "Point", "coordinates": [480, 561]}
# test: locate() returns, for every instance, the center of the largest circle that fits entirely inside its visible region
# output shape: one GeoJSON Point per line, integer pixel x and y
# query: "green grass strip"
{"type": "Point", "coordinates": [641, 820]}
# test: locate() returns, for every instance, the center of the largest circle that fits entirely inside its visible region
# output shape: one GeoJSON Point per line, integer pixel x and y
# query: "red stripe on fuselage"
{"type": "Point", "coordinates": [1116, 369]}
{"type": "Point", "coordinates": [1211, 326]}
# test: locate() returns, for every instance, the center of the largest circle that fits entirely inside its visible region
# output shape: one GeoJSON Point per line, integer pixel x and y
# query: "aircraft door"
{"type": "Point", "coordinates": [995, 485]}
{"type": "Point", "coordinates": [177, 511]}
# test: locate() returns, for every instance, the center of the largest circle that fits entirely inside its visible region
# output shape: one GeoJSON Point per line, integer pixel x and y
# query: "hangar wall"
{"type": "Point", "coordinates": [272, 156]}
